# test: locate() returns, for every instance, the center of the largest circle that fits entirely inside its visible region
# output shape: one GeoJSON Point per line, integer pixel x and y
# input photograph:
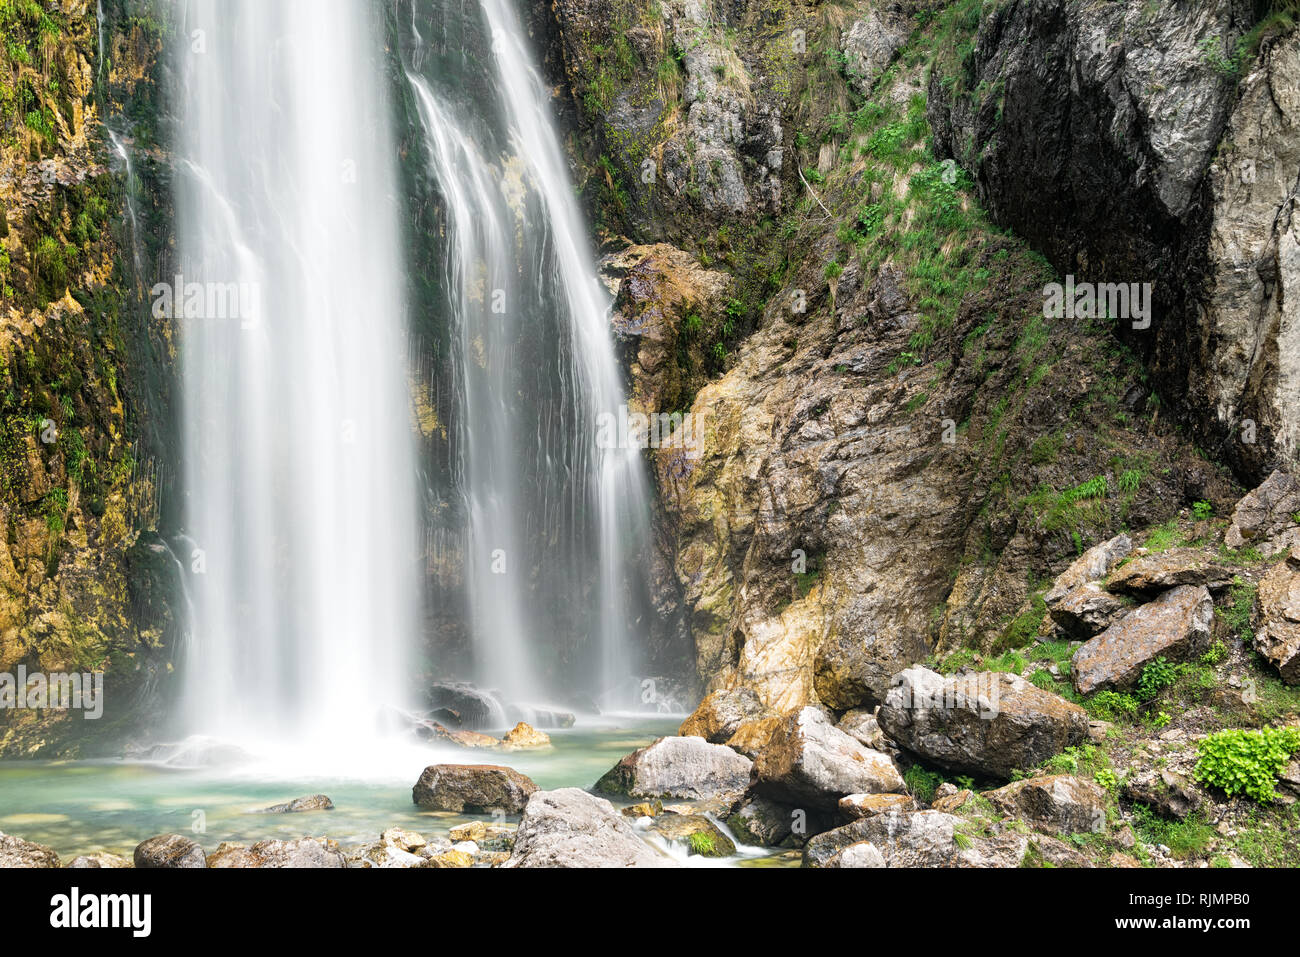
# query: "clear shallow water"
{"type": "Point", "coordinates": [81, 807]}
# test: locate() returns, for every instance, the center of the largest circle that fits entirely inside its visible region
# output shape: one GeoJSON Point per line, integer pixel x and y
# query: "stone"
{"type": "Point", "coordinates": [644, 809]}
{"type": "Point", "coordinates": [15, 852]}
{"type": "Point", "coordinates": [316, 802]}
{"type": "Point", "coordinates": [862, 854]}
{"type": "Point", "coordinates": [753, 735]}
{"type": "Point", "coordinates": [102, 860]}
{"type": "Point", "coordinates": [525, 737]}
{"type": "Point", "coordinates": [919, 839]}
{"type": "Point", "coordinates": [461, 705]}
{"type": "Point", "coordinates": [571, 828]}
{"type": "Point", "coordinates": [809, 760]}
{"type": "Point", "coordinates": [1150, 574]}
{"type": "Point", "coordinates": [472, 788]}
{"type": "Point", "coordinates": [720, 715]}
{"type": "Point", "coordinates": [1277, 637]}
{"type": "Point", "coordinates": [683, 828]}
{"type": "Point", "coordinates": [869, 46]}
{"type": "Point", "coordinates": [1087, 610]}
{"type": "Point", "coordinates": [1050, 851]}
{"type": "Point", "coordinates": [1175, 626]}
{"type": "Point", "coordinates": [854, 806]}
{"type": "Point", "coordinates": [861, 723]}
{"type": "Point", "coordinates": [763, 822]}
{"type": "Point", "coordinates": [1265, 518]}
{"type": "Point", "coordinates": [985, 724]}
{"type": "Point", "coordinates": [951, 802]}
{"type": "Point", "coordinates": [408, 841]}
{"type": "Point", "coordinates": [678, 767]}
{"type": "Point", "coordinates": [1092, 566]}
{"type": "Point", "coordinates": [451, 859]}
{"type": "Point", "coordinates": [384, 856]}
{"type": "Point", "coordinates": [1164, 791]}
{"type": "Point", "coordinates": [1057, 803]}
{"type": "Point", "coordinates": [303, 852]}
{"type": "Point", "coordinates": [169, 851]}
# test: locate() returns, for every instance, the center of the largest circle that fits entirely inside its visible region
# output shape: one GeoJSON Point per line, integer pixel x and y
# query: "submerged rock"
{"type": "Point", "coordinates": [1175, 626]}
{"type": "Point", "coordinates": [15, 852]}
{"type": "Point", "coordinates": [679, 767]}
{"type": "Point", "coordinates": [571, 828]}
{"type": "Point", "coordinates": [810, 760]}
{"type": "Point", "coordinates": [1059, 803]}
{"type": "Point", "coordinates": [1278, 636]}
{"type": "Point", "coordinates": [316, 802]}
{"type": "Point", "coordinates": [985, 724]}
{"type": "Point", "coordinates": [472, 788]}
{"type": "Point", "coordinates": [700, 835]}
{"type": "Point", "coordinates": [303, 852]}
{"type": "Point", "coordinates": [169, 851]}
{"type": "Point", "coordinates": [764, 822]}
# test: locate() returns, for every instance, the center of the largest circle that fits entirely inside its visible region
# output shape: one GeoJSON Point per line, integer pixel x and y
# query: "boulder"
{"type": "Point", "coordinates": [870, 44]}
{"type": "Point", "coordinates": [409, 841]}
{"type": "Point", "coordinates": [679, 767]}
{"type": "Point", "coordinates": [753, 734]}
{"type": "Point", "coordinates": [1057, 803]}
{"type": "Point", "coordinates": [472, 788]}
{"type": "Point", "coordinates": [461, 705]}
{"type": "Point", "coordinates": [861, 723]}
{"type": "Point", "coordinates": [169, 851]}
{"type": "Point", "coordinates": [1049, 851]}
{"type": "Point", "coordinates": [862, 854]}
{"type": "Point", "coordinates": [451, 859]}
{"type": "Point", "coordinates": [1087, 610]}
{"type": "Point", "coordinates": [571, 828]}
{"type": "Point", "coordinates": [384, 856]}
{"type": "Point", "coordinates": [316, 802]}
{"type": "Point", "coordinates": [1151, 574]}
{"type": "Point", "coordinates": [950, 801]}
{"type": "Point", "coordinates": [985, 724]}
{"type": "Point", "coordinates": [919, 839]}
{"type": "Point", "coordinates": [1175, 626]}
{"type": "Point", "coordinates": [524, 737]}
{"type": "Point", "coordinates": [102, 860]}
{"type": "Point", "coordinates": [15, 852]}
{"type": "Point", "coordinates": [1278, 636]}
{"type": "Point", "coordinates": [854, 806]}
{"type": "Point", "coordinates": [303, 852]}
{"type": "Point", "coordinates": [810, 761]}
{"type": "Point", "coordinates": [1164, 791]}
{"type": "Point", "coordinates": [720, 715]}
{"type": "Point", "coordinates": [683, 828]}
{"type": "Point", "coordinates": [1092, 566]}
{"type": "Point", "coordinates": [1265, 518]}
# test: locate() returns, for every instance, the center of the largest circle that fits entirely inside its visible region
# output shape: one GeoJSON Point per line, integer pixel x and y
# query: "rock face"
{"type": "Point", "coordinates": [984, 724]}
{"type": "Point", "coordinates": [1278, 636]}
{"type": "Point", "coordinates": [1176, 625]}
{"type": "Point", "coordinates": [316, 802]}
{"type": "Point", "coordinates": [303, 852]}
{"type": "Point", "coordinates": [15, 852]}
{"type": "Point", "coordinates": [169, 851]}
{"type": "Point", "coordinates": [869, 46]}
{"type": "Point", "coordinates": [472, 788]}
{"type": "Point", "coordinates": [1058, 803]}
{"type": "Point", "coordinates": [1266, 517]}
{"type": "Point", "coordinates": [917, 839]}
{"type": "Point", "coordinates": [1151, 574]}
{"type": "Point", "coordinates": [809, 760]}
{"type": "Point", "coordinates": [681, 768]}
{"type": "Point", "coordinates": [720, 715]}
{"type": "Point", "coordinates": [571, 828]}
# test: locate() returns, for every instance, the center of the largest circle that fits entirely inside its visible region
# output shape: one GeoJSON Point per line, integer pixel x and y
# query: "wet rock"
{"type": "Point", "coordinates": [986, 724]}
{"type": "Point", "coordinates": [1164, 791]}
{"type": "Point", "coordinates": [862, 854]}
{"type": "Point", "coordinates": [571, 828]}
{"type": "Point", "coordinates": [1058, 803]}
{"type": "Point", "coordinates": [461, 705]}
{"type": "Point", "coordinates": [169, 851]}
{"type": "Point", "coordinates": [678, 767]}
{"type": "Point", "coordinates": [1150, 574]}
{"type": "Point", "coordinates": [303, 852]}
{"type": "Point", "coordinates": [15, 852]}
{"type": "Point", "coordinates": [644, 809]}
{"type": "Point", "coordinates": [919, 839]}
{"type": "Point", "coordinates": [1175, 626]}
{"type": "Point", "coordinates": [763, 822]}
{"type": "Point", "coordinates": [472, 788]}
{"type": "Point", "coordinates": [1087, 610]}
{"type": "Point", "coordinates": [316, 802]}
{"type": "Point", "coordinates": [464, 738]}
{"type": "Point", "coordinates": [102, 860]}
{"type": "Point", "coordinates": [525, 737]}
{"type": "Point", "coordinates": [809, 760]}
{"type": "Point", "coordinates": [1092, 566]}
{"type": "Point", "coordinates": [854, 806]}
{"type": "Point", "coordinates": [721, 713]}
{"type": "Point", "coordinates": [697, 833]}
{"type": "Point", "coordinates": [1265, 518]}
{"type": "Point", "coordinates": [1277, 637]}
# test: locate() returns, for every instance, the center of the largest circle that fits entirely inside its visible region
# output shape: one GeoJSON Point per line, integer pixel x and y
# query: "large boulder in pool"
{"type": "Point", "coordinates": [169, 851]}
{"type": "Point", "coordinates": [15, 852]}
{"type": "Point", "coordinates": [461, 705]}
{"type": "Point", "coordinates": [681, 768]}
{"type": "Point", "coordinates": [571, 828]}
{"type": "Point", "coordinates": [810, 761]}
{"type": "Point", "coordinates": [303, 852]}
{"type": "Point", "coordinates": [985, 724]}
{"type": "Point", "coordinates": [472, 788]}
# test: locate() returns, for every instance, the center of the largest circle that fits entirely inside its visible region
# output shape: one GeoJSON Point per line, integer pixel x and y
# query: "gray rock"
{"type": "Point", "coordinates": [571, 828]}
{"type": "Point", "coordinates": [862, 854]}
{"type": "Point", "coordinates": [1164, 791]}
{"type": "Point", "coordinates": [721, 713]}
{"type": "Point", "coordinates": [1278, 636]}
{"type": "Point", "coordinates": [809, 760]}
{"type": "Point", "coordinates": [1264, 518]}
{"type": "Point", "coordinates": [679, 767]}
{"type": "Point", "coordinates": [763, 822]}
{"type": "Point", "coordinates": [985, 724]}
{"type": "Point", "coordinates": [869, 47]}
{"type": "Point", "coordinates": [1058, 803]}
{"type": "Point", "coordinates": [169, 851]}
{"type": "Point", "coordinates": [102, 860]}
{"type": "Point", "coordinates": [303, 852]}
{"type": "Point", "coordinates": [1092, 566]}
{"type": "Point", "coordinates": [861, 723]}
{"type": "Point", "coordinates": [854, 806]}
{"type": "Point", "coordinates": [472, 788]}
{"type": "Point", "coordinates": [15, 852]}
{"type": "Point", "coordinates": [919, 839]}
{"type": "Point", "coordinates": [1151, 574]}
{"type": "Point", "coordinates": [316, 802]}
{"type": "Point", "coordinates": [1087, 610]}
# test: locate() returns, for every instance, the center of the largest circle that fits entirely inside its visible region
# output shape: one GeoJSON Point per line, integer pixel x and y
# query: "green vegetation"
{"type": "Point", "coordinates": [1246, 761]}
{"type": "Point", "coordinates": [922, 782]}
{"type": "Point", "coordinates": [1185, 838]}
{"type": "Point", "coordinates": [702, 843]}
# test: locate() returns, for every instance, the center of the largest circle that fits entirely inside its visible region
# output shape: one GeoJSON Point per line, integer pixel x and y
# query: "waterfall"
{"type": "Point", "coordinates": [555, 523]}
{"type": "Point", "coordinates": [299, 467]}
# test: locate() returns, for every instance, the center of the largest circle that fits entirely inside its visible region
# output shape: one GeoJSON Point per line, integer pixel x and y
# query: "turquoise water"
{"type": "Point", "coordinates": [81, 807]}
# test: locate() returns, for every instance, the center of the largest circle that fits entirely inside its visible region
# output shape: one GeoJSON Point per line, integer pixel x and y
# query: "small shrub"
{"type": "Point", "coordinates": [1246, 761]}
{"type": "Point", "coordinates": [1156, 676]}
{"type": "Point", "coordinates": [922, 782]}
{"type": "Point", "coordinates": [1202, 511]}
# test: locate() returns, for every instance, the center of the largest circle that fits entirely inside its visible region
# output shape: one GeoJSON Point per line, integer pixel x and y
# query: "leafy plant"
{"type": "Point", "coordinates": [1202, 510]}
{"type": "Point", "coordinates": [702, 843]}
{"type": "Point", "coordinates": [1246, 761]}
{"type": "Point", "coordinates": [1156, 676]}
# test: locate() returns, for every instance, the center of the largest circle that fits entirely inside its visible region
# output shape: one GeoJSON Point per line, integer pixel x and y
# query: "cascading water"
{"type": "Point", "coordinates": [299, 464]}
{"type": "Point", "coordinates": [554, 520]}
